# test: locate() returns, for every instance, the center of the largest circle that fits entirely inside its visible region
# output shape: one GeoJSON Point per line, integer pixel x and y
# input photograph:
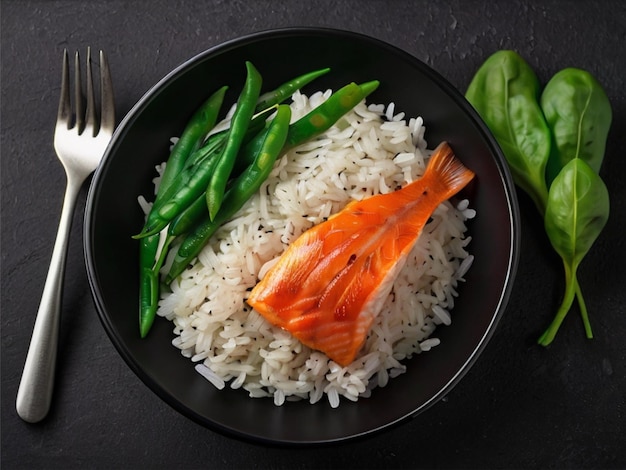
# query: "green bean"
{"type": "Point", "coordinates": [238, 126]}
{"type": "Point", "coordinates": [576, 213]}
{"type": "Point", "coordinates": [328, 113]}
{"type": "Point", "coordinates": [287, 89]}
{"type": "Point", "coordinates": [187, 219]}
{"type": "Point", "coordinates": [244, 186]}
{"type": "Point", "coordinates": [192, 136]}
{"type": "Point", "coordinates": [148, 283]}
{"type": "Point", "coordinates": [368, 88]}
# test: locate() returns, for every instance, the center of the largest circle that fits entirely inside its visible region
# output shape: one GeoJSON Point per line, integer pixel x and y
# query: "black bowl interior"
{"type": "Point", "coordinates": [142, 141]}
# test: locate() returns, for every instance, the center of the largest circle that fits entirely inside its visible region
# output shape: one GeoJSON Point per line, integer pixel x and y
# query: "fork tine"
{"type": "Point", "coordinates": [65, 108]}
{"type": "Point", "coordinates": [90, 112]}
{"type": "Point", "coordinates": [107, 113]}
{"type": "Point", "coordinates": [79, 106]}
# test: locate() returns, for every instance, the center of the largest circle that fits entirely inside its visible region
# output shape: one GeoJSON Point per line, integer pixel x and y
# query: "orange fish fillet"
{"type": "Point", "coordinates": [329, 285]}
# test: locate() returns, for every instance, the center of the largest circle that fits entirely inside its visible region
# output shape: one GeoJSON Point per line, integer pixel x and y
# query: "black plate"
{"type": "Point", "coordinates": [142, 140]}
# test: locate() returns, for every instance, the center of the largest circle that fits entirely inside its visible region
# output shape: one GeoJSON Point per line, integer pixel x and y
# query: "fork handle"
{"type": "Point", "coordinates": [35, 391]}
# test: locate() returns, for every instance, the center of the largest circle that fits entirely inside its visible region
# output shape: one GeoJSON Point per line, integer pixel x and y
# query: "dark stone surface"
{"type": "Point", "coordinates": [520, 406]}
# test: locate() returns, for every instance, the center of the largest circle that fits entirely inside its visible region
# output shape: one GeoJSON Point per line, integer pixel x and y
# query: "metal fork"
{"type": "Point", "coordinates": [79, 141]}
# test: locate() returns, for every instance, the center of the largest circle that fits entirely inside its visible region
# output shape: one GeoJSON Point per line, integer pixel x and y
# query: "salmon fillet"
{"type": "Point", "coordinates": [329, 285]}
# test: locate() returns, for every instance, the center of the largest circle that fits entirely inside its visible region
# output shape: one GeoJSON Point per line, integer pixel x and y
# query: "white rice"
{"type": "Point", "coordinates": [370, 151]}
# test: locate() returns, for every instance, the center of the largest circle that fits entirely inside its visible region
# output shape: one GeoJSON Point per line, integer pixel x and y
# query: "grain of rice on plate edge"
{"type": "Point", "coordinates": [371, 150]}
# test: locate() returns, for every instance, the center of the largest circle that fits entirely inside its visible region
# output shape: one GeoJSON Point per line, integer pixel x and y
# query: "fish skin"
{"type": "Point", "coordinates": [330, 284]}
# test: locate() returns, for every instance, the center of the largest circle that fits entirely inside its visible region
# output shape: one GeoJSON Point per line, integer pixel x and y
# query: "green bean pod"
{"type": "Point", "coordinates": [328, 113]}
{"type": "Point", "coordinates": [202, 121]}
{"type": "Point", "coordinates": [579, 115]}
{"type": "Point", "coordinates": [244, 186]}
{"type": "Point", "coordinates": [148, 283]}
{"type": "Point", "coordinates": [186, 220]}
{"type": "Point", "coordinates": [244, 112]}
{"type": "Point", "coordinates": [284, 91]}
{"type": "Point", "coordinates": [505, 92]}
{"type": "Point", "coordinates": [577, 211]}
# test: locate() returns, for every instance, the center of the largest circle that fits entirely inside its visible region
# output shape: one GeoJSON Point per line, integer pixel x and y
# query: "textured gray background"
{"type": "Point", "coordinates": [519, 406]}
